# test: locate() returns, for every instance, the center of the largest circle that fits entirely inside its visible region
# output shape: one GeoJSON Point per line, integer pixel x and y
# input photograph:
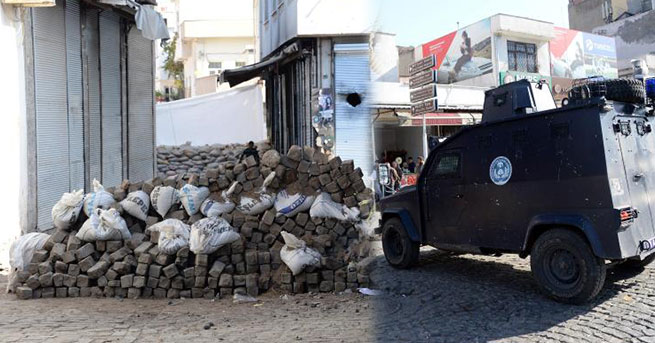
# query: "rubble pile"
{"type": "Point", "coordinates": [290, 222]}
{"type": "Point", "coordinates": [180, 159]}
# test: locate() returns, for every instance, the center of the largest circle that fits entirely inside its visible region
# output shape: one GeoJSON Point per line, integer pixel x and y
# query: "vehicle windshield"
{"type": "Point", "coordinates": [543, 98]}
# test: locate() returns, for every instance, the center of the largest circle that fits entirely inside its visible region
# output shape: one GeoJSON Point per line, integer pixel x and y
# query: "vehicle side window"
{"type": "Point", "coordinates": [447, 166]}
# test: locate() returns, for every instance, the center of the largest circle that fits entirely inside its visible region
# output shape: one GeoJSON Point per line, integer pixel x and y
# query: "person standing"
{"type": "Point", "coordinates": [419, 164]}
{"type": "Point", "coordinates": [411, 165]}
{"type": "Point", "coordinates": [251, 150]}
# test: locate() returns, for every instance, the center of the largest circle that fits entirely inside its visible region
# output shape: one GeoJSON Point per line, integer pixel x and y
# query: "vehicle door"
{"type": "Point", "coordinates": [637, 146]}
{"type": "Point", "coordinates": [444, 202]}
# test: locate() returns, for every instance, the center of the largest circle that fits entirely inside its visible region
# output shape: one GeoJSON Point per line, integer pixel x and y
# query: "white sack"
{"type": "Point", "coordinates": [98, 199]}
{"type": "Point", "coordinates": [173, 235]}
{"type": "Point", "coordinates": [324, 207]}
{"type": "Point", "coordinates": [163, 198]}
{"type": "Point", "coordinates": [104, 225]}
{"type": "Point", "coordinates": [67, 209]}
{"type": "Point", "coordinates": [257, 202]}
{"type": "Point", "coordinates": [20, 254]}
{"type": "Point", "coordinates": [290, 205]}
{"type": "Point", "coordinates": [192, 197]}
{"type": "Point", "coordinates": [137, 204]}
{"type": "Point", "coordinates": [214, 208]}
{"type": "Point", "coordinates": [209, 234]}
{"type": "Point", "coordinates": [297, 255]}
{"type": "Point", "coordinates": [150, 23]}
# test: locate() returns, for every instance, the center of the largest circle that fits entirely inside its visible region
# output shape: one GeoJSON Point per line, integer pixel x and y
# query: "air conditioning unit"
{"type": "Point", "coordinates": [31, 3]}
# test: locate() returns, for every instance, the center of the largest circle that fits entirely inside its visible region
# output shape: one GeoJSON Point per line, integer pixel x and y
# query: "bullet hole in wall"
{"type": "Point", "coordinates": [353, 99]}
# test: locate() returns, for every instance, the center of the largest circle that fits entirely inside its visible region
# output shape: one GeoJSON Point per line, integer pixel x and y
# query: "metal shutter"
{"type": "Point", "coordinates": [75, 95]}
{"type": "Point", "coordinates": [52, 153]}
{"type": "Point", "coordinates": [110, 85]}
{"type": "Point", "coordinates": [353, 134]}
{"type": "Point", "coordinates": [140, 84]}
{"type": "Point", "coordinates": [94, 128]}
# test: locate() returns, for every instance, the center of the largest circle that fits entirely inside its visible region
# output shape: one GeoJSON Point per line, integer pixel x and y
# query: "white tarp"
{"type": "Point", "coordinates": [232, 116]}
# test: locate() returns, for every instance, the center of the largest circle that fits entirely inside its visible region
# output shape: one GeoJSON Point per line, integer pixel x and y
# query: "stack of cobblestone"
{"type": "Point", "coordinates": [69, 267]}
{"type": "Point", "coordinates": [187, 158]}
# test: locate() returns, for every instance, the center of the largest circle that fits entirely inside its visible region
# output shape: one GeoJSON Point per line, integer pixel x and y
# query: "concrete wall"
{"type": "Point", "coordinates": [282, 20]}
{"type": "Point", "coordinates": [13, 130]}
{"type": "Point", "coordinates": [384, 58]}
{"type": "Point", "coordinates": [634, 37]}
{"type": "Point", "coordinates": [587, 15]}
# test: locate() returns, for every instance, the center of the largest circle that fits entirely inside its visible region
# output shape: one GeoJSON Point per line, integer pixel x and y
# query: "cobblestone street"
{"type": "Point", "coordinates": [446, 299]}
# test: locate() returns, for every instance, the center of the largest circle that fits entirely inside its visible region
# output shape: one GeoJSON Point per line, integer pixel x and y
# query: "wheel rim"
{"type": "Point", "coordinates": [563, 269]}
{"type": "Point", "coordinates": [393, 244]}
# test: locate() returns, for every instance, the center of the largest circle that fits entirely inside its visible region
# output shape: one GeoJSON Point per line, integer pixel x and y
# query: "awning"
{"type": "Point", "coordinates": [444, 119]}
{"type": "Point", "coordinates": [238, 75]}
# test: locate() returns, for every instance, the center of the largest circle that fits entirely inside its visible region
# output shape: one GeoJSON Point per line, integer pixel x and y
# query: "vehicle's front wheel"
{"type": "Point", "coordinates": [399, 250]}
{"type": "Point", "coordinates": [566, 268]}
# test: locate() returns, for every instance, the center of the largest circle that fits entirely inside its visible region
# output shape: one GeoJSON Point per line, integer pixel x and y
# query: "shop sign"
{"type": "Point", "coordinates": [511, 76]}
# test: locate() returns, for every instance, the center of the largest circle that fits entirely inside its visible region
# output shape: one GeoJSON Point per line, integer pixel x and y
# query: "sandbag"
{"type": "Point", "coordinates": [98, 199]}
{"type": "Point", "coordinates": [137, 204]}
{"type": "Point", "coordinates": [324, 207]}
{"type": "Point", "coordinates": [104, 225]}
{"type": "Point", "coordinates": [214, 208]}
{"type": "Point", "coordinates": [209, 234]}
{"type": "Point", "coordinates": [192, 197]}
{"type": "Point", "coordinates": [297, 255]}
{"type": "Point", "coordinates": [173, 235]}
{"type": "Point", "coordinates": [290, 205]}
{"type": "Point", "coordinates": [20, 254]}
{"type": "Point", "coordinates": [67, 209]}
{"type": "Point", "coordinates": [163, 198]}
{"type": "Point", "coordinates": [257, 202]}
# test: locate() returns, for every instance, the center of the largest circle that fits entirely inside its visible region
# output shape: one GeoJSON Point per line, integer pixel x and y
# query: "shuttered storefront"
{"type": "Point", "coordinates": [353, 134]}
{"type": "Point", "coordinates": [110, 80]}
{"type": "Point", "coordinates": [79, 89]}
{"type": "Point", "coordinates": [140, 84]}
{"type": "Point", "coordinates": [50, 102]}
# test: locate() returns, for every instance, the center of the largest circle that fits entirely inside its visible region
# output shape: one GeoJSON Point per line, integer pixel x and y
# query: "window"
{"type": "Point", "coordinates": [215, 65]}
{"type": "Point", "coordinates": [240, 64]}
{"type": "Point", "coordinates": [447, 166]}
{"type": "Point", "coordinates": [522, 57]}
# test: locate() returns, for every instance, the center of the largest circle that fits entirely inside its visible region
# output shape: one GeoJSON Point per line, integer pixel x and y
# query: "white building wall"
{"type": "Point", "coordinates": [282, 20]}
{"type": "Point", "coordinates": [13, 131]}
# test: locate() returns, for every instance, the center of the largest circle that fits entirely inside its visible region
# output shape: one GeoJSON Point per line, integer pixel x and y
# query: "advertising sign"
{"type": "Point", "coordinates": [511, 76]}
{"type": "Point", "coordinates": [577, 55]}
{"type": "Point", "coordinates": [323, 120]}
{"type": "Point", "coordinates": [462, 54]}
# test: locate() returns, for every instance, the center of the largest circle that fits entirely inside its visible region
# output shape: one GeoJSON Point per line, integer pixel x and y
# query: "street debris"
{"type": "Point", "coordinates": [368, 291]}
{"type": "Point", "coordinates": [212, 232]}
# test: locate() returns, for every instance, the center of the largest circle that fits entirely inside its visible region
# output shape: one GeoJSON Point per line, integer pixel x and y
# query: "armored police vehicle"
{"type": "Point", "coordinates": [572, 187]}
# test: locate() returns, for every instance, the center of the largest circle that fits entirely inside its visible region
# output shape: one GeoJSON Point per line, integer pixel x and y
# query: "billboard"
{"type": "Point", "coordinates": [576, 55]}
{"type": "Point", "coordinates": [462, 54]}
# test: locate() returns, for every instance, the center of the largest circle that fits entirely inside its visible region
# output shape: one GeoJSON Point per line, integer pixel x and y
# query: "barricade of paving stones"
{"type": "Point", "coordinates": [187, 158]}
{"type": "Point", "coordinates": [68, 267]}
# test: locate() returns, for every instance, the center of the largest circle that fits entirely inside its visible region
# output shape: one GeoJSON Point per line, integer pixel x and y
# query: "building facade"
{"type": "Point", "coordinates": [316, 63]}
{"type": "Point", "coordinates": [214, 35]}
{"type": "Point", "coordinates": [83, 109]}
{"type": "Point", "coordinates": [505, 48]}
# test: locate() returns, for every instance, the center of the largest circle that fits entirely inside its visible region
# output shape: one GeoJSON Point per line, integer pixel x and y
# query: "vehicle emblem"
{"type": "Point", "coordinates": [500, 170]}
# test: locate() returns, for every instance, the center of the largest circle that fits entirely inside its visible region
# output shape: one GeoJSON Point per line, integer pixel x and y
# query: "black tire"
{"type": "Point", "coordinates": [566, 268]}
{"type": "Point", "coordinates": [638, 265]}
{"type": "Point", "coordinates": [399, 250]}
{"type": "Point", "coordinates": [623, 90]}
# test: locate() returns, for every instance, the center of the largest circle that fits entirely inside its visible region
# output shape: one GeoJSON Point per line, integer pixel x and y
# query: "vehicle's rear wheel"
{"type": "Point", "coordinates": [566, 268]}
{"type": "Point", "coordinates": [399, 250]}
